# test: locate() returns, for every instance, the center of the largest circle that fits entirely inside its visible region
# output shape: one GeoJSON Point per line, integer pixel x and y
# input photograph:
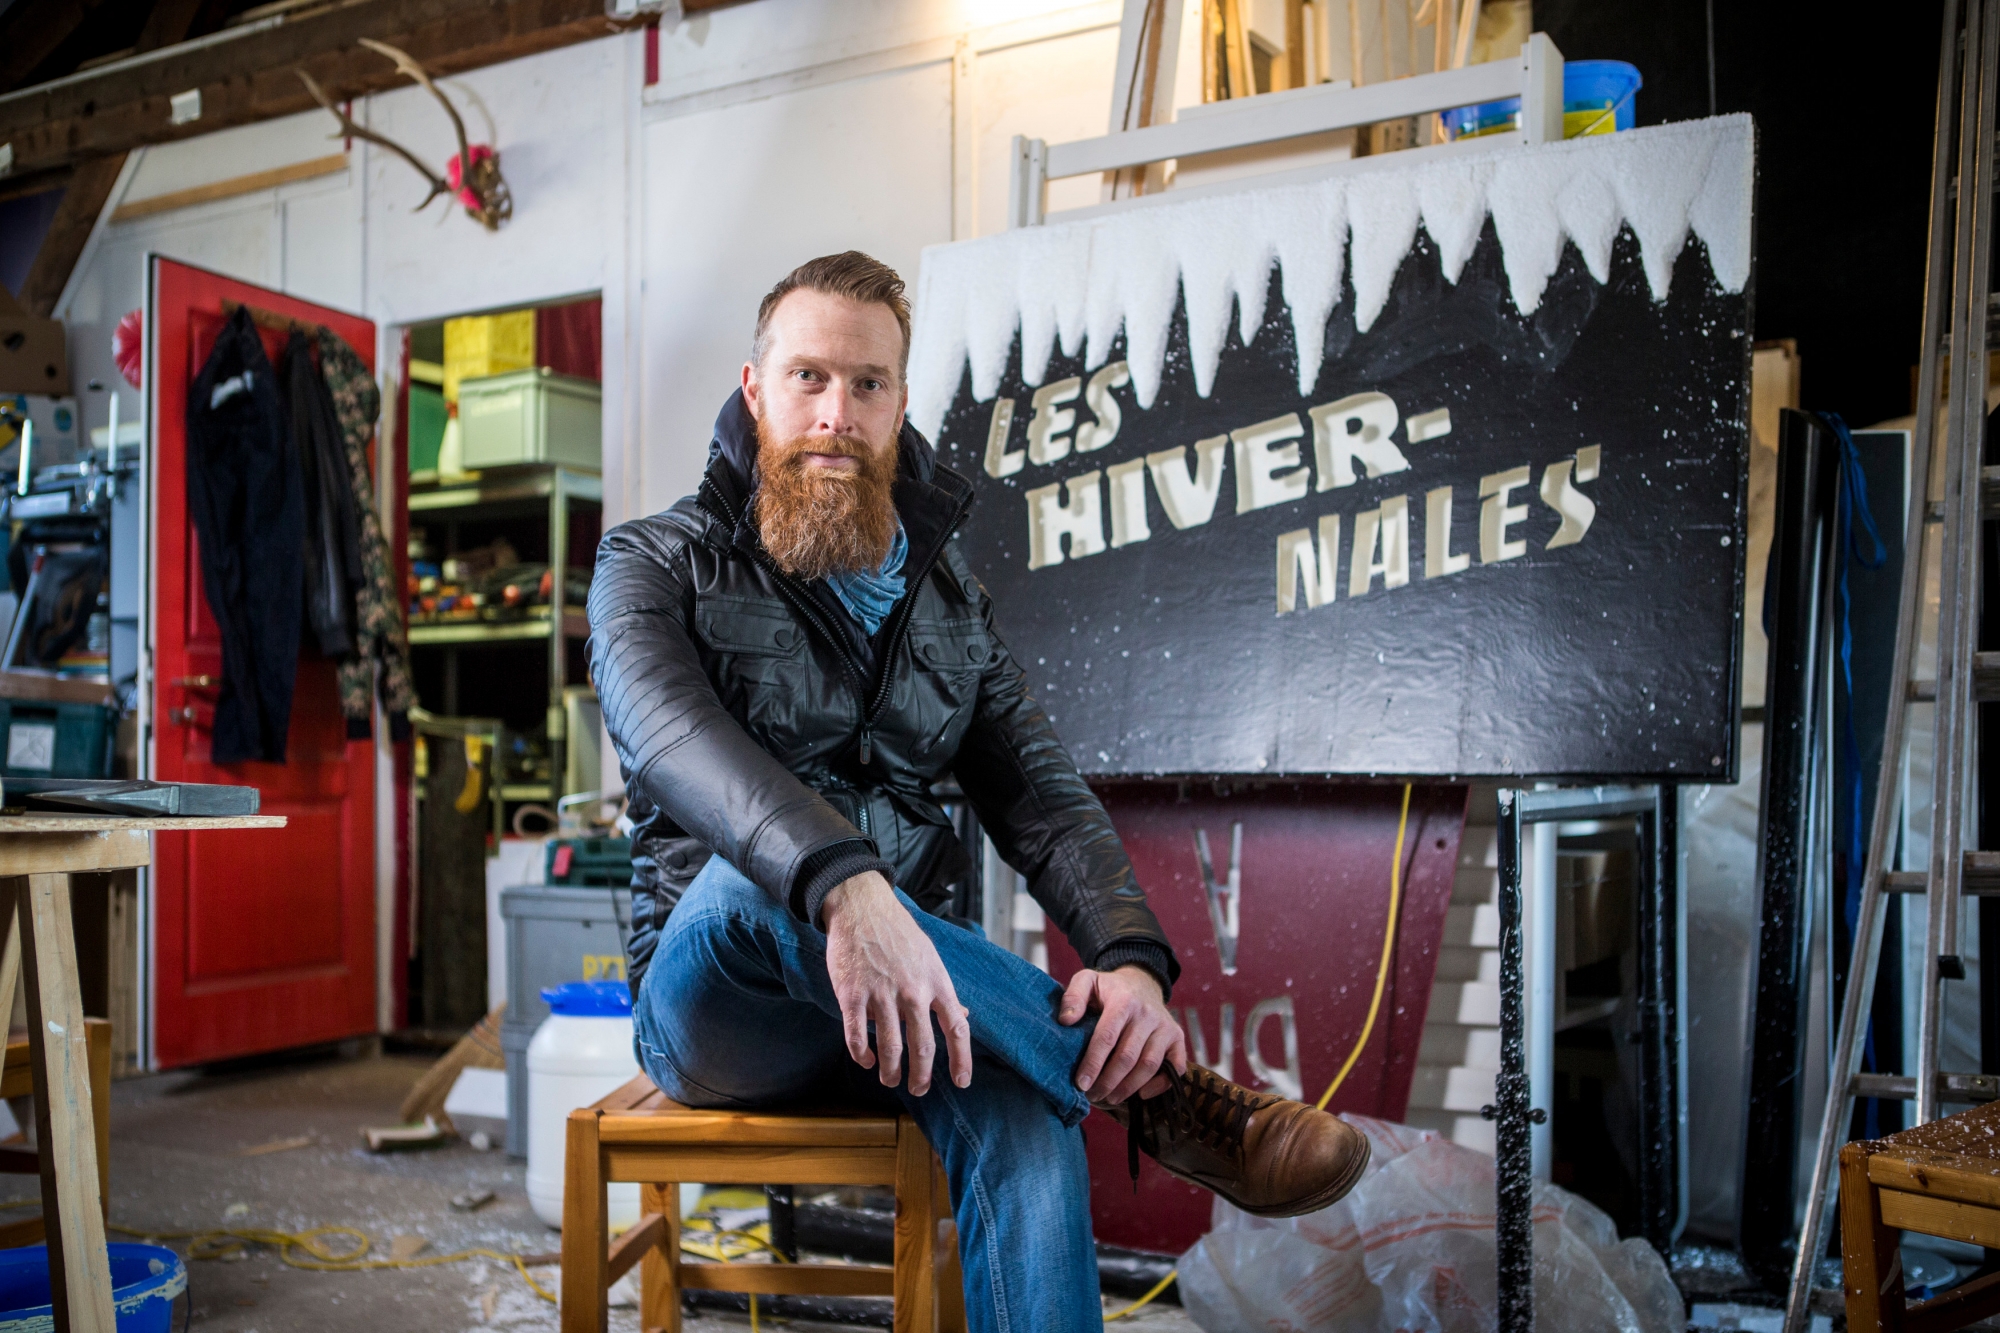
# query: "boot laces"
{"type": "Point", "coordinates": [1200, 1105]}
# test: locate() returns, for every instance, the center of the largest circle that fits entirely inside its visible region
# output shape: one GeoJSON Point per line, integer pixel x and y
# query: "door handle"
{"type": "Point", "coordinates": [196, 682]}
{"type": "Point", "coordinates": [191, 716]}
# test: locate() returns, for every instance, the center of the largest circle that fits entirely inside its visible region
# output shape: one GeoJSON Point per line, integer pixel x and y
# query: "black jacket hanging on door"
{"type": "Point", "coordinates": [333, 571]}
{"type": "Point", "coordinates": [248, 507]}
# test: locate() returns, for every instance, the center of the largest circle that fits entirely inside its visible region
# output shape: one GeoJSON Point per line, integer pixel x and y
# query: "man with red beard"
{"type": "Point", "coordinates": [789, 661]}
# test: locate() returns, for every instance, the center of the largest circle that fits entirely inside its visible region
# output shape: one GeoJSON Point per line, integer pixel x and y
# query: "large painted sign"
{"type": "Point", "coordinates": [1434, 468]}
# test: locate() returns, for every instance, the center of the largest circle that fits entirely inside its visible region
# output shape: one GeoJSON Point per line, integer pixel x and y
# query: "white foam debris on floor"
{"type": "Point", "coordinates": [1724, 1317]}
{"type": "Point", "coordinates": [1080, 283]}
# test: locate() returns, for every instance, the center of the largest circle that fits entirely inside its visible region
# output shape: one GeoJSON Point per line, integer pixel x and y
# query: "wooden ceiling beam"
{"type": "Point", "coordinates": [251, 77]}
{"type": "Point", "coordinates": [62, 245]}
{"type": "Point", "coordinates": [92, 180]}
{"type": "Point", "coordinates": [35, 34]}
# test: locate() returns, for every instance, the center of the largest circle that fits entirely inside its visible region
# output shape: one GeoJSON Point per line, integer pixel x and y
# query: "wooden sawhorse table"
{"type": "Point", "coordinates": [44, 851]}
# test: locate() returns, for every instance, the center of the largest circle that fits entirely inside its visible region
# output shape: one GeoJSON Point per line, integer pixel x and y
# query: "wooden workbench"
{"type": "Point", "coordinates": [45, 850]}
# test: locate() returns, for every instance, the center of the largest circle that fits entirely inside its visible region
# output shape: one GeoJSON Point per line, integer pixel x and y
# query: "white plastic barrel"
{"type": "Point", "coordinates": [580, 1053]}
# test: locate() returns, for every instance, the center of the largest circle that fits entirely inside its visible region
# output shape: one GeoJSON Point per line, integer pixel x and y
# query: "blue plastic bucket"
{"type": "Point", "coordinates": [1597, 99]}
{"type": "Point", "coordinates": [145, 1279]}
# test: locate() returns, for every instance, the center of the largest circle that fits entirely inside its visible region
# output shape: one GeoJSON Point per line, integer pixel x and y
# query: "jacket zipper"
{"type": "Point", "coordinates": [876, 701]}
{"type": "Point", "coordinates": [899, 630]}
{"type": "Point", "coordinates": [802, 604]}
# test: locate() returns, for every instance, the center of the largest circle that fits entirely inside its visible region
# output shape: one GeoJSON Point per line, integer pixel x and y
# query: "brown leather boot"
{"type": "Point", "coordinates": [1266, 1154]}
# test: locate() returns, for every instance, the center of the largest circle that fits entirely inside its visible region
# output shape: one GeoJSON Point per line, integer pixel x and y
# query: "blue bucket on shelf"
{"type": "Point", "coordinates": [145, 1279]}
{"type": "Point", "coordinates": [1597, 99]}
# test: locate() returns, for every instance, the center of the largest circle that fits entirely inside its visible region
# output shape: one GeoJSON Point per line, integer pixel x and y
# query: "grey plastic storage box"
{"type": "Point", "coordinates": [531, 416]}
{"type": "Point", "coordinates": [554, 935]}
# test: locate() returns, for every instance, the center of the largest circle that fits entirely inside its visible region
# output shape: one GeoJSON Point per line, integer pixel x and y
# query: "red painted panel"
{"type": "Point", "coordinates": [1314, 910]}
{"type": "Point", "coordinates": [261, 939]}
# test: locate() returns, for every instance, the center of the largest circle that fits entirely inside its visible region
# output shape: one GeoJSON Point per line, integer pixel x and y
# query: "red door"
{"type": "Point", "coordinates": [261, 940]}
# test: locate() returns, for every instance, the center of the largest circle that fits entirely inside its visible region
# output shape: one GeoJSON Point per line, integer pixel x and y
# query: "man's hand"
{"type": "Point", "coordinates": [1135, 1033]}
{"type": "Point", "coordinates": [885, 969]}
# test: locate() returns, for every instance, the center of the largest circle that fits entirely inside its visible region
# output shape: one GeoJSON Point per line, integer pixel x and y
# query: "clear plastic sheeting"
{"type": "Point", "coordinates": [1718, 841]}
{"type": "Point", "coordinates": [1412, 1247]}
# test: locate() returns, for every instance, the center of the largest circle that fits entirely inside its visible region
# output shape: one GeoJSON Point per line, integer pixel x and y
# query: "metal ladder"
{"type": "Point", "coordinates": [1956, 286]}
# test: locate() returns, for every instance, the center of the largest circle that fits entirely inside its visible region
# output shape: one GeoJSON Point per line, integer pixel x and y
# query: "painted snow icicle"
{"type": "Point", "coordinates": [1078, 285]}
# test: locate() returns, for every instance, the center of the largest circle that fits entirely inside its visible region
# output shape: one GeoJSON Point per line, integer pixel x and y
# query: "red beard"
{"type": "Point", "coordinates": [817, 521]}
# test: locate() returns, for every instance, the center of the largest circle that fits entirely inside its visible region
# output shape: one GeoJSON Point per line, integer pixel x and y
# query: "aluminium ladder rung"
{"type": "Point", "coordinates": [1989, 497]}
{"type": "Point", "coordinates": [1985, 681]}
{"type": "Point", "coordinates": [1979, 878]}
{"type": "Point", "coordinates": [1951, 1087]}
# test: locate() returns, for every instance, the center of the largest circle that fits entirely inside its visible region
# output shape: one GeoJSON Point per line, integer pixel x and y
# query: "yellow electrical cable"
{"type": "Point", "coordinates": [225, 1241]}
{"type": "Point", "coordinates": [1158, 1287]}
{"type": "Point", "coordinates": [1388, 951]}
{"type": "Point", "coordinates": [221, 1242]}
{"type": "Point", "coordinates": [1367, 1028]}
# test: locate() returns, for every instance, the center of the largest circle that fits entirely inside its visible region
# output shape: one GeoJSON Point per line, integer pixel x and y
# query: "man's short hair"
{"type": "Point", "coordinates": [851, 274]}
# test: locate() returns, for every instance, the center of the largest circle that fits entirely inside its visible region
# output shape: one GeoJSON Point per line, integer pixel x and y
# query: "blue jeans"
{"type": "Point", "coordinates": [737, 1009]}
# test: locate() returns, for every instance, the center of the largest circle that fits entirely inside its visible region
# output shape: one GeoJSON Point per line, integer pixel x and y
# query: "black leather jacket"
{"type": "Point", "coordinates": [752, 721]}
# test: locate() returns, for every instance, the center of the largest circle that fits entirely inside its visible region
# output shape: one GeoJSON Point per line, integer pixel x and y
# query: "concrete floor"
{"type": "Point", "coordinates": [178, 1164]}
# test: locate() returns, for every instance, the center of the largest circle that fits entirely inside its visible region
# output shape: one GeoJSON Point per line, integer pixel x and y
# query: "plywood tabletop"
{"type": "Point", "coordinates": [53, 823]}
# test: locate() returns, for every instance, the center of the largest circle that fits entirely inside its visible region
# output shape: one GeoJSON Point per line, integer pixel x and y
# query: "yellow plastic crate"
{"type": "Point", "coordinates": [481, 345]}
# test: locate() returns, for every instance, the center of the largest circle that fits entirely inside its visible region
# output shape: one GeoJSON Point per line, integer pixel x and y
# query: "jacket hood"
{"type": "Point", "coordinates": [925, 492]}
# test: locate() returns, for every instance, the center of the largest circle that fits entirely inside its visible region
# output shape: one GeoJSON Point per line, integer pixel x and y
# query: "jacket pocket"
{"type": "Point", "coordinates": [950, 645]}
{"type": "Point", "coordinates": [748, 626]}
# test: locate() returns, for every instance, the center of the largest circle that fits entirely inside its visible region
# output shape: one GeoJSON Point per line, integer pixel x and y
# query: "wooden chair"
{"type": "Point", "coordinates": [1941, 1179]}
{"type": "Point", "coordinates": [18, 1080]}
{"type": "Point", "coordinates": [637, 1134]}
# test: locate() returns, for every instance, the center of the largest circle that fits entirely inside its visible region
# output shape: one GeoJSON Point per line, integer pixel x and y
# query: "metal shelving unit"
{"type": "Point", "coordinates": [503, 631]}
{"type": "Point", "coordinates": [517, 492]}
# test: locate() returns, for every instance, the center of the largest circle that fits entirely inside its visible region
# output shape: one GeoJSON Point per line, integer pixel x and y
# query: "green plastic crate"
{"type": "Point", "coordinates": [604, 863]}
{"type": "Point", "coordinates": [57, 740]}
{"type": "Point", "coordinates": [427, 418]}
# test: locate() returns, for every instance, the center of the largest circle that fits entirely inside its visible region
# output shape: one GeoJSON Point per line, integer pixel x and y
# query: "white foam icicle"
{"type": "Point", "coordinates": [1078, 285]}
{"type": "Point", "coordinates": [1454, 209]}
{"type": "Point", "coordinates": [1588, 211]}
{"type": "Point", "coordinates": [1523, 199]}
{"type": "Point", "coordinates": [1382, 217]}
{"type": "Point", "coordinates": [1305, 227]}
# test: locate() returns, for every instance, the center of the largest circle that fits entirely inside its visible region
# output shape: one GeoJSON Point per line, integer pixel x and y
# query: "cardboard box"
{"type": "Point", "coordinates": [34, 355]}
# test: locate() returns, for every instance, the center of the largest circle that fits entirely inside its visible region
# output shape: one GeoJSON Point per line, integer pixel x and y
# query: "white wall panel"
{"type": "Point", "coordinates": [1055, 90]}
{"type": "Point", "coordinates": [737, 197]}
{"type": "Point", "coordinates": [548, 116]}
{"type": "Point", "coordinates": [322, 255]}
{"type": "Point", "coordinates": [774, 37]}
{"type": "Point", "coordinates": [227, 154]}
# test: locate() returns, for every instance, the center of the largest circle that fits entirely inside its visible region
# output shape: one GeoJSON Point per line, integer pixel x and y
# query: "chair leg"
{"type": "Point", "coordinates": [660, 1270]}
{"type": "Point", "coordinates": [916, 1231]}
{"type": "Point", "coordinates": [1871, 1254]}
{"type": "Point", "coordinates": [950, 1283]}
{"type": "Point", "coordinates": [586, 1228]}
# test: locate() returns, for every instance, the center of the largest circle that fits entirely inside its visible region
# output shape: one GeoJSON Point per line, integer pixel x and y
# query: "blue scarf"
{"type": "Point", "coordinates": [869, 595]}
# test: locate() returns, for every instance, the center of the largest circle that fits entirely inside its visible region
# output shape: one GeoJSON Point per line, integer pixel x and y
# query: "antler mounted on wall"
{"type": "Point", "coordinates": [473, 177]}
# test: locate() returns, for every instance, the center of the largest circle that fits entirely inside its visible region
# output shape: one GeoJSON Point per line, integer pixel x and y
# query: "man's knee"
{"type": "Point", "coordinates": [1006, 1121]}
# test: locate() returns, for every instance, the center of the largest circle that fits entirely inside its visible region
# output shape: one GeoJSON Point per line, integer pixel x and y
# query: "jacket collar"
{"type": "Point", "coordinates": [930, 498]}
